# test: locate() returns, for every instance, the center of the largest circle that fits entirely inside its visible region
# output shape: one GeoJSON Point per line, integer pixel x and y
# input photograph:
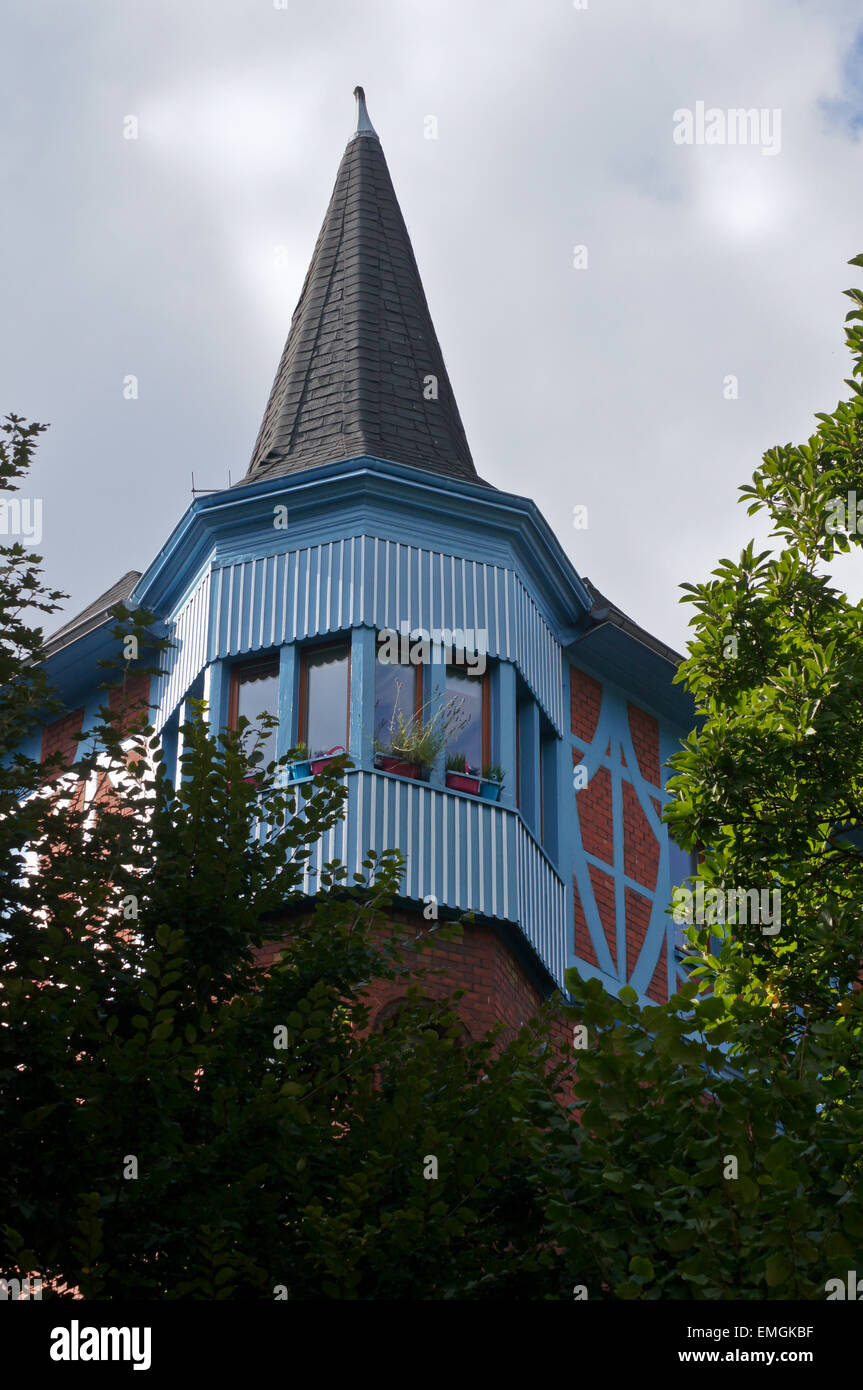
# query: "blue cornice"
{"type": "Point", "coordinates": [413, 493]}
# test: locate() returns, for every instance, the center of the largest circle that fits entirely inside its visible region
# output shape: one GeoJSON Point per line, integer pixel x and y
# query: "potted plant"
{"type": "Point", "coordinates": [321, 758]}
{"type": "Point", "coordinates": [492, 781]}
{"type": "Point", "coordinates": [300, 766]}
{"type": "Point", "coordinates": [399, 767]}
{"type": "Point", "coordinates": [459, 776]}
{"type": "Point", "coordinates": [414, 743]}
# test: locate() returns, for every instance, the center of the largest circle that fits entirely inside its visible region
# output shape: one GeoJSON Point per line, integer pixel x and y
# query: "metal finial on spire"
{"type": "Point", "coordinates": [364, 125]}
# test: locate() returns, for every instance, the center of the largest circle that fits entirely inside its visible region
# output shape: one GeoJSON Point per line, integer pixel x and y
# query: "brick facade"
{"type": "Point", "coordinates": [640, 850]}
{"type": "Point", "coordinates": [645, 740]}
{"type": "Point", "coordinates": [583, 944]}
{"type": "Point", "coordinates": [595, 817]}
{"type": "Point", "coordinates": [585, 702]}
{"type": "Point", "coordinates": [131, 701]}
{"type": "Point", "coordinates": [640, 845]}
{"type": "Point", "coordinates": [497, 987]}
{"type": "Point", "coordinates": [603, 895]}
{"type": "Point", "coordinates": [60, 737]}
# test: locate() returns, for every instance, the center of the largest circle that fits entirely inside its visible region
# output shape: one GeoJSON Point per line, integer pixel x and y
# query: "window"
{"type": "Point", "coordinates": [324, 685]}
{"type": "Point", "coordinates": [473, 739]}
{"type": "Point", "coordinates": [255, 691]}
{"type": "Point", "coordinates": [395, 687]}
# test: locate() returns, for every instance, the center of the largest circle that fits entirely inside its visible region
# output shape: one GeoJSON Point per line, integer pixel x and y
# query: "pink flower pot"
{"type": "Point", "coordinates": [397, 766]}
{"type": "Point", "coordinates": [318, 764]}
{"type": "Point", "coordinates": [461, 782]}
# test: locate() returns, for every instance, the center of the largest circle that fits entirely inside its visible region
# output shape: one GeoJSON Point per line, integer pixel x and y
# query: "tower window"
{"type": "Point", "coordinates": [396, 687]}
{"type": "Point", "coordinates": [255, 691]}
{"type": "Point", "coordinates": [473, 739]}
{"type": "Point", "coordinates": [325, 674]}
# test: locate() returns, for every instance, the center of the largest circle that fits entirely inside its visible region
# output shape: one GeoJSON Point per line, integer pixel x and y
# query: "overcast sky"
{"type": "Point", "coordinates": [178, 257]}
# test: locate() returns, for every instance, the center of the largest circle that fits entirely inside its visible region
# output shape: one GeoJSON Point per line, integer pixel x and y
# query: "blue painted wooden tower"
{"type": "Point", "coordinates": [362, 513]}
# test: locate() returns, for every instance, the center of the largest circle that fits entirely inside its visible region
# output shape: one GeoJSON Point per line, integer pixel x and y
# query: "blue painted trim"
{"type": "Point", "coordinates": [362, 695]}
{"type": "Point", "coordinates": [503, 727]}
{"type": "Point", "coordinates": [289, 689]}
{"type": "Point", "coordinates": [404, 490]}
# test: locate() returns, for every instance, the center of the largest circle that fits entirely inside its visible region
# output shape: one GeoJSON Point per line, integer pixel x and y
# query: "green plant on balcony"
{"type": "Point", "coordinates": [420, 737]}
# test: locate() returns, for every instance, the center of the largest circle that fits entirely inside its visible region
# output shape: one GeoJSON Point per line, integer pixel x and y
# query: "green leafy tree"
{"type": "Point", "coordinates": [718, 1154]}
{"type": "Point", "coordinates": [179, 1122]}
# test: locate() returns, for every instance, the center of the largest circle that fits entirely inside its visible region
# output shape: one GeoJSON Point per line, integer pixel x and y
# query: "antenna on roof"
{"type": "Point", "coordinates": [197, 491]}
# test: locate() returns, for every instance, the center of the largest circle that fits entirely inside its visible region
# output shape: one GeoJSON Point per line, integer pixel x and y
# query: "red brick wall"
{"type": "Point", "coordinates": [59, 737]}
{"type": "Point", "coordinates": [585, 702]}
{"type": "Point", "coordinates": [640, 845]}
{"type": "Point", "coordinates": [645, 740]}
{"type": "Point", "coordinates": [583, 944]}
{"type": "Point", "coordinates": [637, 920]}
{"type": "Point", "coordinates": [594, 816]}
{"type": "Point", "coordinates": [658, 987]}
{"type": "Point", "coordinates": [132, 702]}
{"type": "Point", "coordinates": [497, 988]}
{"type": "Point", "coordinates": [603, 895]}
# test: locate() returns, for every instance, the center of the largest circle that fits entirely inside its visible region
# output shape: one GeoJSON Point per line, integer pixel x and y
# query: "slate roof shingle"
{"type": "Point", "coordinates": [93, 615]}
{"type": "Point", "coordinates": [361, 343]}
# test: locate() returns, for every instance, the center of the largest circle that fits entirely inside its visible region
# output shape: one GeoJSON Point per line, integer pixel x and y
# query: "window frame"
{"type": "Point", "coordinates": [265, 665]}
{"type": "Point", "coordinates": [417, 669]}
{"type": "Point", "coordinates": [260, 664]}
{"type": "Point", "coordinates": [485, 717]}
{"type": "Point", "coordinates": [314, 649]}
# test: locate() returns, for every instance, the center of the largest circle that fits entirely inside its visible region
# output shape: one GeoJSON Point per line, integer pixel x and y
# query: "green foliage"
{"type": "Point", "coordinates": [771, 786]}
{"type": "Point", "coordinates": [651, 1205]}
{"type": "Point", "coordinates": [719, 1150]}
{"type": "Point", "coordinates": [179, 1123]}
{"type": "Point", "coordinates": [280, 1144]}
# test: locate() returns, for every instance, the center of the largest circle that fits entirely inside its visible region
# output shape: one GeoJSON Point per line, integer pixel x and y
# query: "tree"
{"type": "Point", "coordinates": [718, 1154]}
{"type": "Point", "coordinates": [180, 1123]}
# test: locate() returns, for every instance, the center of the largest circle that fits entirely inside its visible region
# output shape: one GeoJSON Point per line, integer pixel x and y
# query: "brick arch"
{"type": "Point", "coordinates": [393, 1007]}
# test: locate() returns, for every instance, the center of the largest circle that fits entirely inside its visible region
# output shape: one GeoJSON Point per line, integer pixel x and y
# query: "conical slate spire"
{"type": "Point", "coordinates": [362, 371]}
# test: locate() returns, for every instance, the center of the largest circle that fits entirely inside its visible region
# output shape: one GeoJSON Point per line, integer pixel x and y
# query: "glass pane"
{"type": "Point", "coordinates": [467, 740]}
{"type": "Point", "coordinates": [394, 686]}
{"type": "Point", "coordinates": [259, 694]}
{"type": "Point", "coordinates": [327, 699]}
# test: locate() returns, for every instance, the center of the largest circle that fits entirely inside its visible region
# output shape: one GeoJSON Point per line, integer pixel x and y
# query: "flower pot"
{"type": "Point", "coordinates": [320, 762]}
{"type": "Point", "coordinates": [461, 782]}
{"type": "Point", "coordinates": [398, 766]}
{"type": "Point", "coordinates": [297, 771]}
{"type": "Point", "coordinates": [489, 791]}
